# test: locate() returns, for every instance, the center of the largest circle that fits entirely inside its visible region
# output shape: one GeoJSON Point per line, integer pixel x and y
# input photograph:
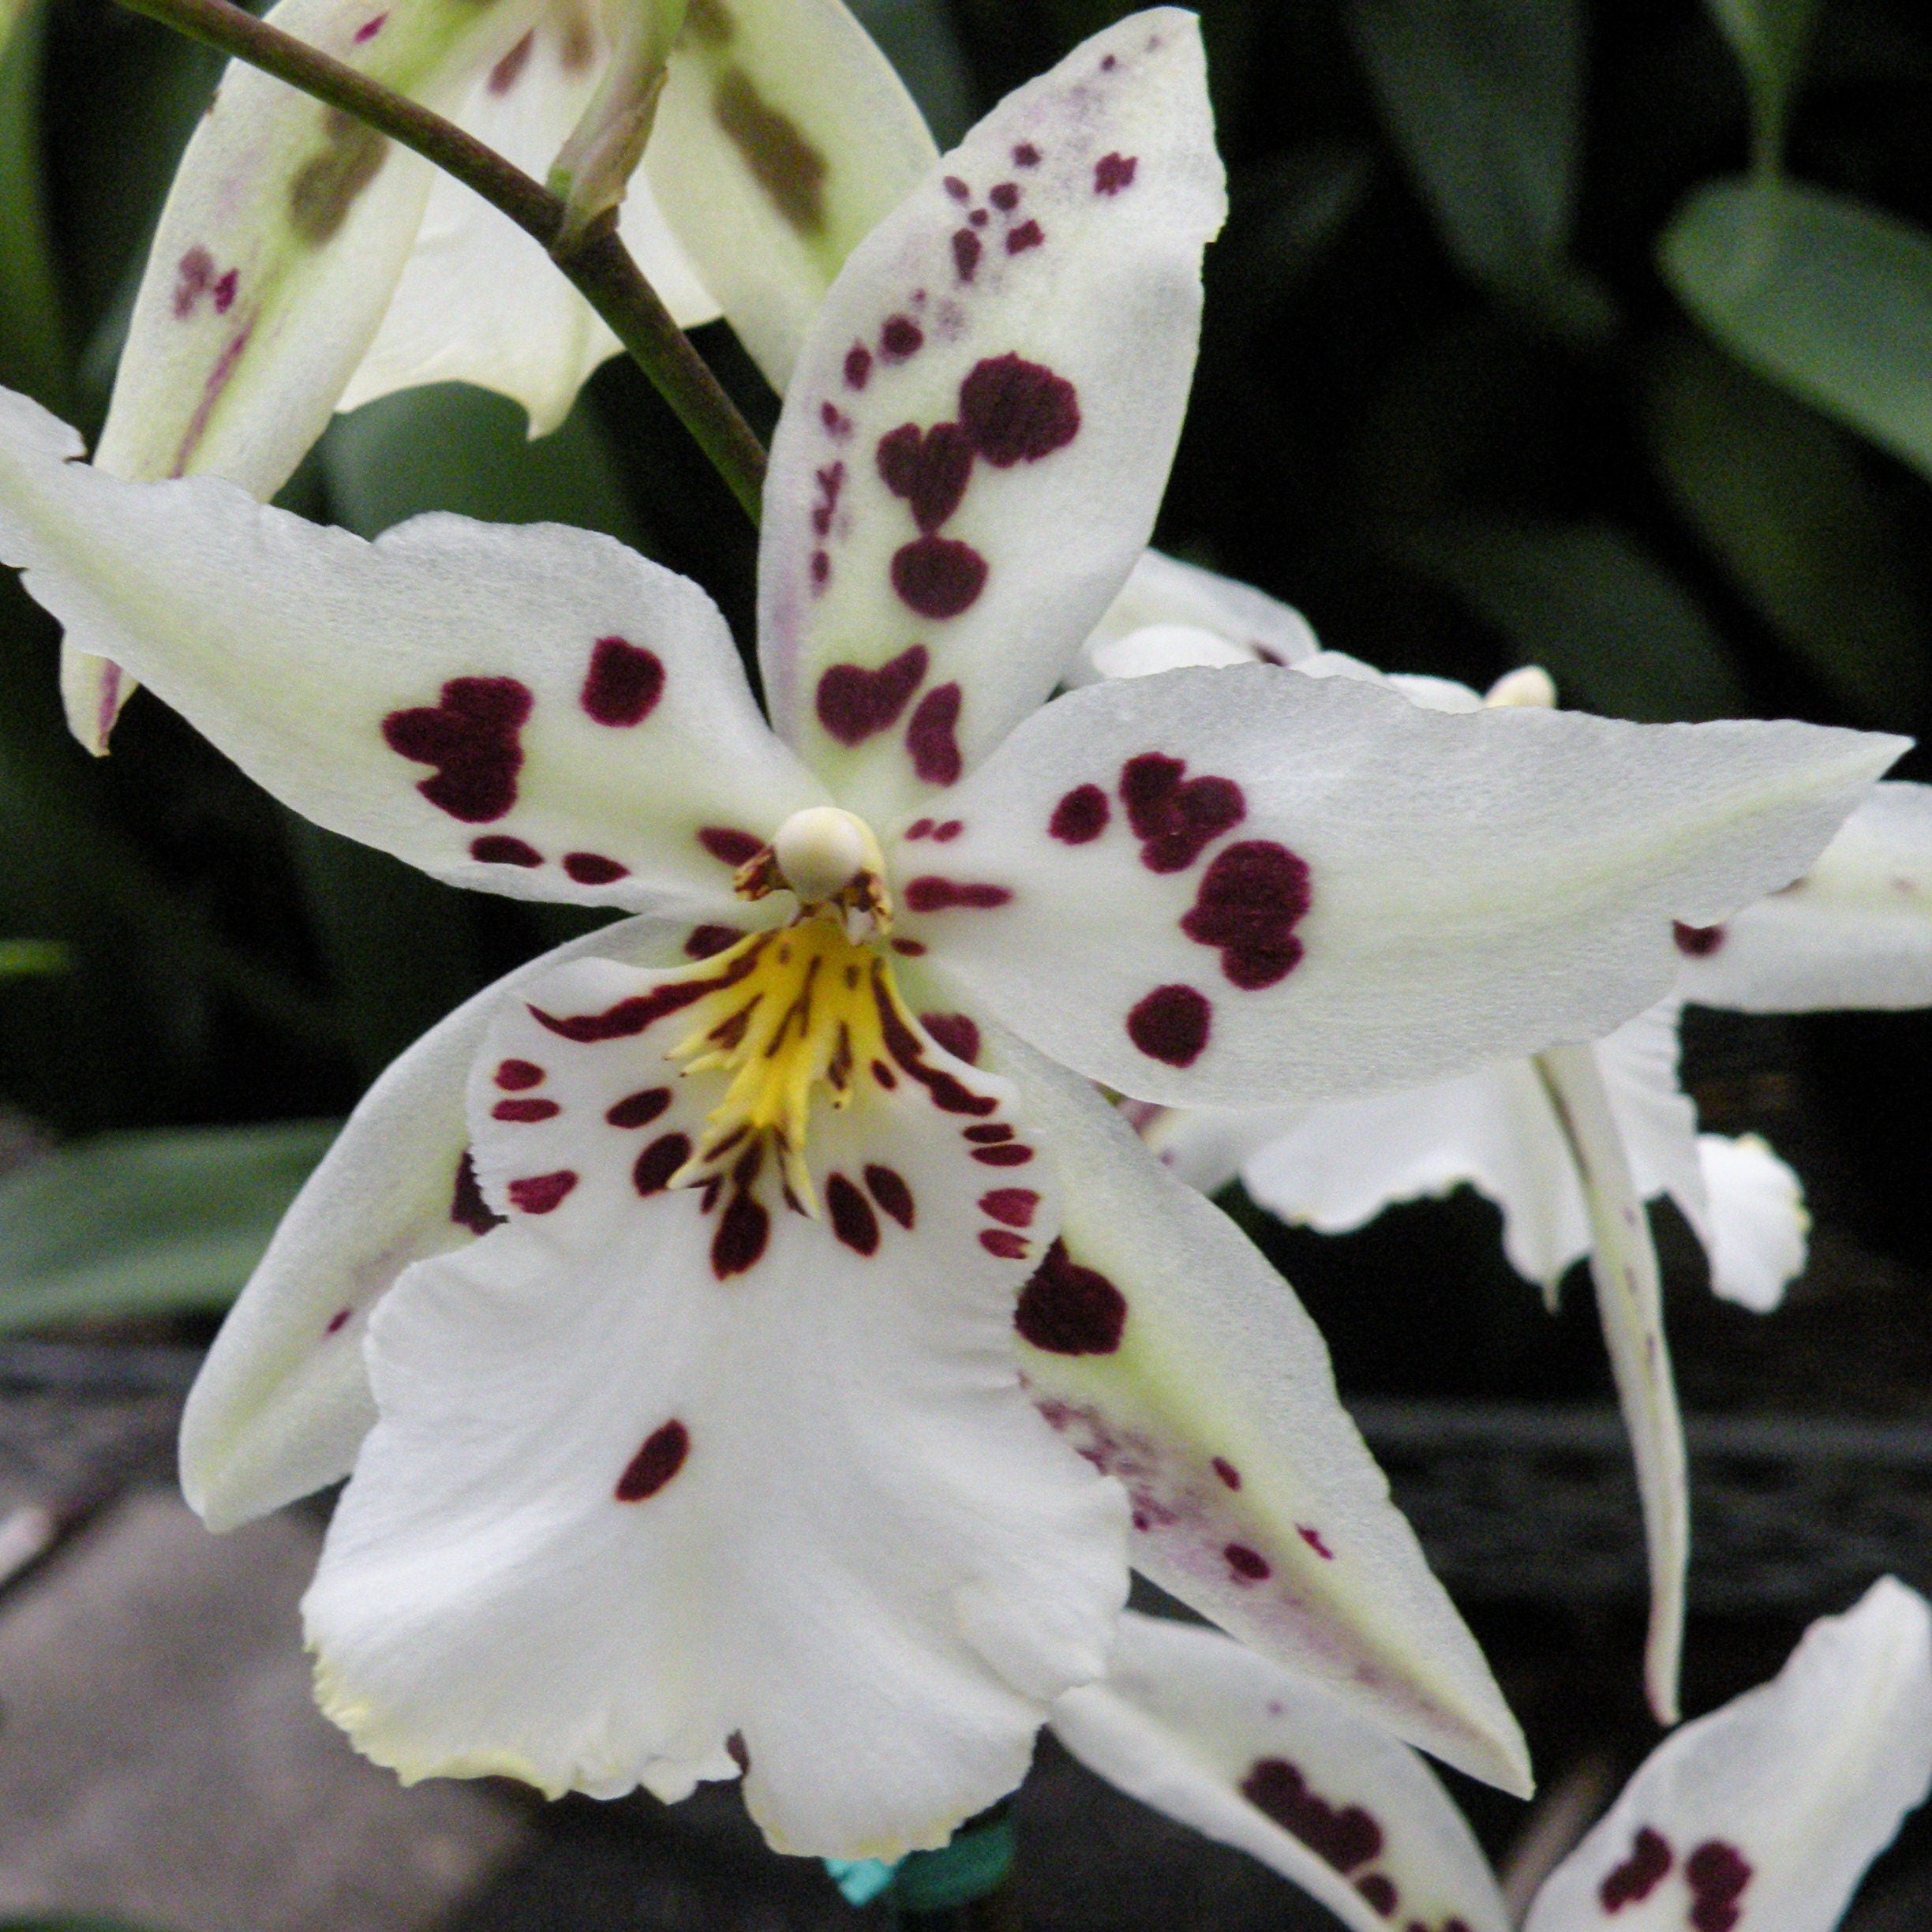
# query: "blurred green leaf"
{"type": "Point", "coordinates": [1617, 633]}
{"type": "Point", "coordinates": [33, 350]}
{"type": "Point", "coordinates": [917, 37]}
{"type": "Point", "coordinates": [148, 1222]}
{"type": "Point", "coordinates": [28, 959]}
{"type": "Point", "coordinates": [1780, 495]}
{"type": "Point", "coordinates": [1828, 297]}
{"type": "Point", "coordinates": [1769, 38]}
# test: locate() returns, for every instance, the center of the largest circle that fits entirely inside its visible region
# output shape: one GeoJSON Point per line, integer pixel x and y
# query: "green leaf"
{"type": "Point", "coordinates": [1769, 38]}
{"type": "Point", "coordinates": [1617, 633]}
{"type": "Point", "coordinates": [917, 37]}
{"type": "Point", "coordinates": [33, 349]}
{"type": "Point", "coordinates": [147, 1223]}
{"type": "Point", "coordinates": [1828, 297]}
{"type": "Point", "coordinates": [32, 959]}
{"type": "Point", "coordinates": [1781, 497]}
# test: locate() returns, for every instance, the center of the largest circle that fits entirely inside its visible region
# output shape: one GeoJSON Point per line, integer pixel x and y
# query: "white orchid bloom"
{"type": "Point", "coordinates": [303, 263]}
{"type": "Point", "coordinates": [839, 1344]}
{"type": "Point", "coordinates": [1760, 1817]}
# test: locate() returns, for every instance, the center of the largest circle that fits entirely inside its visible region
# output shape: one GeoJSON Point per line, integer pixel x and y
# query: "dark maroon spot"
{"type": "Point", "coordinates": [225, 290]}
{"type": "Point", "coordinates": [899, 337]}
{"type": "Point", "coordinates": [1067, 1309]}
{"type": "Point", "coordinates": [496, 849]}
{"type": "Point", "coordinates": [820, 568]}
{"type": "Point", "coordinates": [623, 683]}
{"type": "Point", "coordinates": [853, 703]}
{"type": "Point", "coordinates": [470, 736]}
{"type": "Point", "coordinates": [369, 29]}
{"type": "Point", "coordinates": [930, 893]}
{"type": "Point", "coordinates": [955, 1033]}
{"type": "Point", "coordinates": [503, 76]}
{"type": "Point", "coordinates": [192, 274]}
{"type": "Point", "coordinates": [1249, 901]}
{"type": "Point", "coordinates": [514, 1076]}
{"type": "Point", "coordinates": [1108, 65]}
{"type": "Point", "coordinates": [945, 834]}
{"type": "Point", "coordinates": [992, 1130]}
{"type": "Point", "coordinates": [525, 1110]}
{"type": "Point", "coordinates": [836, 421]}
{"type": "Point", "coordinates": [1227, 1472]}
{"type": "Point", "coordinates": [652, 1173]}
{"type": "Point", "coordinates": [593, 868]}
{"type": "Point", "coordinates": [853, 1220]}
{"type": "Point", "coordinates": [1171, 1024]}
{"type": "Point", "coordinates": [630, 1016]}
{"type": "Point", "coordinates": [1004, 196]}
{"type": "Point", "coordinates": [639, 1109]}
{"type": "Point", "coordinates": [1697, 940]}
{"type": "Point", "coordinates": [1014, 1206]}
{"type": "Point", "coordinates": [468, 1208]}
{"type": "Point", "coordinates": [919, 829]}
{"type": "Point", "coordinates": [1008, 1154]}
{"type": "Point", "coordinates": [929, 470]}
{"type": "Point", "coordinates": [743, 1228]}
{"type": "Point", "coordinates": [1640, 1875]}
{"type": "Point", "coordinates": [978, 218]}
{"type": "Point", "coordinates": [858, 365]}
{"type": "Point", "coordinates": [1346, 1839]}
{"type": "Point", "coordinates": [1313, 1539]}
{"type": "Point", "coordinates": [325, 188]}
{"type": "Point", "coordinates": [934, 749]}
{"type": "Point", "coordinates": [1175, 821]}
{"type": "Point", "coordinates": [1027, 235]}
{"type": "Point", "coordinates": [1017, 411]}
{"type": "Point", "coordinates": [337, 1321]}
{"type": "Point", "coordinates": [1247, 1565]}
{"type": "Point", "coordinates": [1112, 173]}
{"type": "Point", "coordinates": [1003, 1242]}
{"type": "Point", "coordinates": [966, 247]}
{"type": "Point", "coordinates": [890, 1190]}
{"type": "Point", "coordinates": [790, 170]}
{"type": "Point", "coordinates": [956, 188]}
{"type": "Point", "coordinates": [884, 1075]}
{"type": "Point", "coordinates": [1716, 1874]}
{"type": "Point", "coordinates": [704, 941]}
{"type": "Point", "coordinates": [1026, 155]}
{"type": "Point", "coordinates": [911, 948]}
{"type": "Point", "coordinates": [653, 1466]}
{"type": "Point", "coordinates": [1380, 1892]}
{"type": "Point", "coordinates": [938, 576]}
{"type": "Point", "coordinates": [736, 1750]}
{"type": "Point", "coordinates": [539, 1194]}
{"type": "Point", "coordinates": [1080, 817]}
{"type": "Point", "coordinates": [729, 846]}
{"type": "Point", "coordinates": [949, 1094]}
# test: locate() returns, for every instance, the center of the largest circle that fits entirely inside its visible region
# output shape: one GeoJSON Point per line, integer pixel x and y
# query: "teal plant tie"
{"type": "Point", "coordinates": [860, 1880]}
{"type": "Point", "coordinates": [975, 1863]}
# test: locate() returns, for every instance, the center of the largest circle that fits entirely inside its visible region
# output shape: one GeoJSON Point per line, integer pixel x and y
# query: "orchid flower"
{"type": "Point", "coordinates": [1759, 1817]}
{"type": "Point", "coordinates": [832, 1344]}
{"type": "Point", "coordinates": [1854, 930]}
{"type": "Point", "coordinates": [303, 264]}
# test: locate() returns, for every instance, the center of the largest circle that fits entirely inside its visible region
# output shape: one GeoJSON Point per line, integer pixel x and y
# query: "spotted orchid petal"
{"type": "Point", "coordinates": [535, 710]}
{"type": "Point", "coordinates": [977, 435]}
{"type": "Point", "coordinates": [1856, 930]}
{"type": "Point", "coordinates": [1165, 1349]}
{"type": "Point", "coordinates": [1221, 1739]}
{"type": "Point", "coordinates": [283, 1401]}
{"type": "Point", "coordinates": [773, 1472]}
{"type": "Point", "coordinates": [1758, 1224]}
{"type": "Point", "coordinates": [1763, 1815]}
{"type": "Point", "coordinates": [1272, 888]}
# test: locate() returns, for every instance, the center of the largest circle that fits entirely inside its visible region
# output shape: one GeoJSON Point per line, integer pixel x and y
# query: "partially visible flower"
{"type": "Point", "coordinates": [1762, 1817]}
{"type": "Point", "coordinates": [303, 263]}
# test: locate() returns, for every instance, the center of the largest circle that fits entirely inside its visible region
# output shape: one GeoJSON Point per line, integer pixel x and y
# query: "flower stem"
{"type": "Point", "coordinates": [595, 260]}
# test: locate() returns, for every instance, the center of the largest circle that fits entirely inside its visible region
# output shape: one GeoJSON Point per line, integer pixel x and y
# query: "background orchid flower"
{"type": "Point", "coordinates": [756, 1419]}
{"type": "Point", "coordinates": [1762, 1817]}
{"type": "Point", "coordinates": [303, 263]}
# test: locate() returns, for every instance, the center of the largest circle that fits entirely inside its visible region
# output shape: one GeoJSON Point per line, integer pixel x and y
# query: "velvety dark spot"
{"type": "Point", "coordinates": [911, 948]}
{"type": "Point", "coordinates": [929, 894]}
{"type": "Point", "coordinates": [992, 1130]}
{"type": "Point", "coordinates": [736, 1750]}
{"type": "Point", "coordinates": [525, 1111]}
{"type": "Point", "coordinates": [1026, 236]}
{"type": "Point", "coordinates": [225, 288]}
{"type": "Point", "coordinates": [782, 161]}
{"type": "Point", "coordinates": [1066, 1309]}
{"type": "Point", "coordinates": [1313, 1539]}
{"type": "Point", "coordinates": [1108, 65]}
{"type": "Point", "coordinates": [1080, 817]}
{"type": "Point", "coordinates": [1176, 821]}
{"type": "Point", "coordinates": [1112, 173]}
{"type": "Point", "coordinates": [1227, 1472]}
{"type": "Point", "coordinates": [325, 188]}
{"type": "Point", "coordinates": [830, 480]}
{"type": "Point", "coordinates": [1346, 1840]}
{"type": "Point", "coordinates": [639, 1109]}
{"type": "Point", "coordinates": [539, 1194]}
{"type": "Point", "coordinates": [192, 274]}
{"type": "Point", "coordinates": [470, 736]}
{"type": "Point", "coordinates": [956, 188]}
{"type": "Point", "coordinates": [1014, 1206]}
{"type": "Point", "coordinates": [1003, 1242]}
{"type": "Point", "coordinates": [1016, 411]}
{"type": "Point", "coordinates": [1249, 1566]}
{"type": "Point", "coordinates": [1026, 155]}
{"type": "Point", "coordinates": [966, 250]}
{"type": "Point", "coordinates": [858, 365]}
{"type": "Point", "coordinates": [1698, 942]}
{"type": "Point", "coordinates": [1250, 899]}
{"type": "Point", "coordinates": [901, 337]}
{"type": "Point", "coordinates": [651, 1174]}
{"type": "Point", "coordinates": [593, 868]}
{"type": "Point", "coordinates": [929, 470]}
{"type": "Point", "coordinates": [945, 834]}
{"type": "Point", "coordinates": [919, 829]}
{"type": "Point", "coordinates": [1717, 1874]}
{"type": "Point", "coordinates": [853, 703]}
{"type": "Point", "coordinates": [744, 1228]}
{"type": "Point", "coordinates": [1640, 1875]}
{"type": "Point", "coordinates": [496, 848]}
{"type": "Point", "coordinates": [369, 29]}
{"type": "Point", "coordinates": [884, 1075]}
{"type": "Point", "coordinates": [949, 1094]}
{"type": "Point", "coordinates": [978, 218]}
{"type": "Point", "coordinates": [728, 845]}
{"type": "Point", "coordinates": [853, 1220]}
{"type": "Point", "coordinates": [930, 739]}
{"type": "Point", "coordinates": [955, 1033]}
{"type": "Point", "coordinates": [890, 1190]}
{"type": "Point", "coordinates": [836, 421]}
{"type": "Point", "coordinates": [468, 1208]}
{"type": "Point", "coordinates": [820, 568]}
{"type": "Point", "coordinates": [1004, 196]}
{"type": "Point", "coordinates": [623, 683]}
{"type": "Point", "coordinates": [503, 76]}
{"type": "Point", "coordinates": [1008, 1154]}
{"type": "Point", "coordinates": [1380, 1893]}
{"type": "Point", "coordinates": [938, 576]}
{"type": "Point", "coordinates": [1171, 1024]}
{"type": "Point", "coordinates": [515, 1076]}
{"type": "Point", "coordinates": [653, 1466]}
{"type": "Point", "coordinates": [704, 941]}
{"type": "Point", "coordinates": [631, 1016]}
{"type": "Point", "coordinates": [337, 1321]}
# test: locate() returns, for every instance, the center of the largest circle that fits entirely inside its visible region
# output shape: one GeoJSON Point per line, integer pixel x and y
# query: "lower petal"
{"type": "Point", "coordinates": [1758, 1222]}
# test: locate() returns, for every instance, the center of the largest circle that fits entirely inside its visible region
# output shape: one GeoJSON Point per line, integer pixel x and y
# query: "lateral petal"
{"type": "Point", "coordinates": [536, 710]}
{"type": "Point", "coordinates": [1273, 888]}
{"type": "Point", "coordinates": [1205, 1730]}
{"type": "Point", "coordinates": [1759, 1223]}
{"type": "Point", "coordinates": [1764, 1815]}
{"type": "Point", "coordinates": [979, 432]}
{"type": "Point", "coordinates": [1163, 593]}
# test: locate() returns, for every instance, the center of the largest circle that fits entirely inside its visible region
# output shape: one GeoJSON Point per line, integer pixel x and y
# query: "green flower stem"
{"type": "Point", "coordinates": [595, 260]}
